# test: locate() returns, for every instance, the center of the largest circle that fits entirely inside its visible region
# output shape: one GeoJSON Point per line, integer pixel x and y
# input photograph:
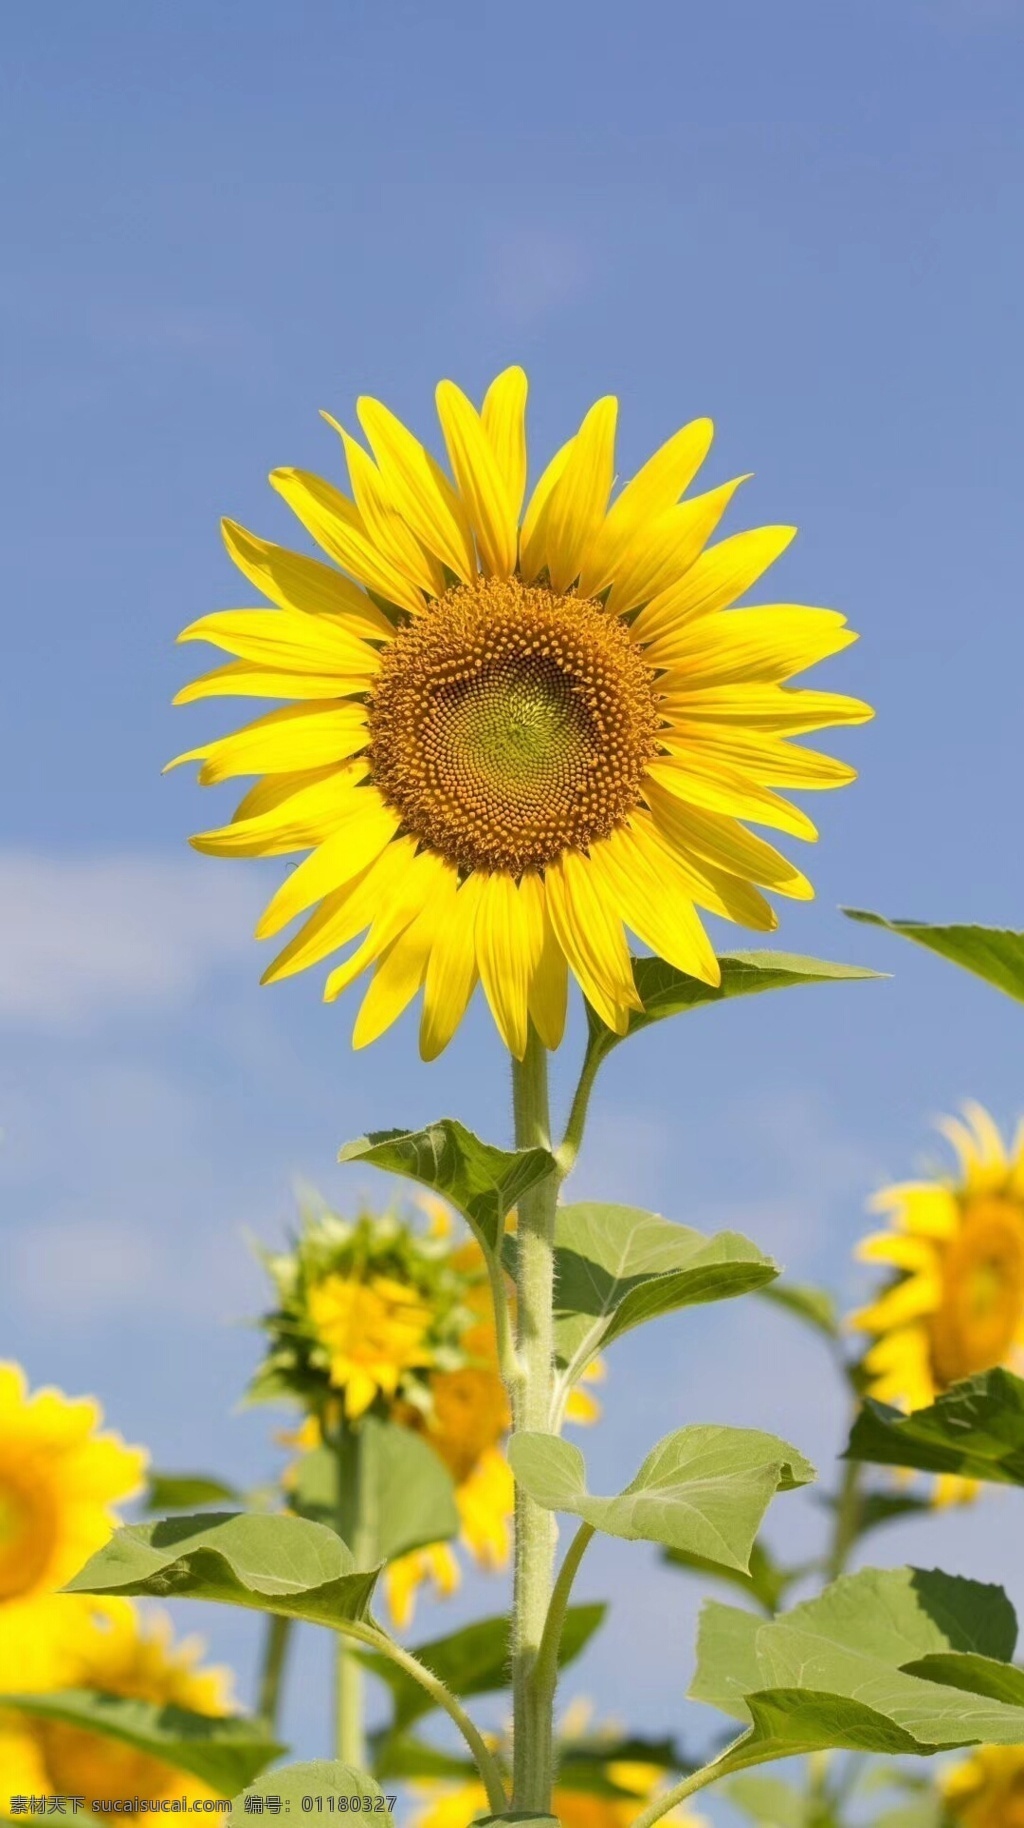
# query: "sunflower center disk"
{"type": "Point", "coordinates": [983, 1296]}
{"type": "Point", "coordinates": [509, 724]}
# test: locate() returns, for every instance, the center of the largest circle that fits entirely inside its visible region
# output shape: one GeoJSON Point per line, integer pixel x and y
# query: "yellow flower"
{"type": "Point", "coordinates": [59, 1480]}
{"type": "Point", "coordinates": [957, 1245]}
{"type": "Point", "coordinates": [510, 736]}
{"type": "Point", "coordinates": [373, 1331]}
{"type": "Point", "coordinates": [112, 1650]}
{"type": "Point", "coordinates": [987, 1789]}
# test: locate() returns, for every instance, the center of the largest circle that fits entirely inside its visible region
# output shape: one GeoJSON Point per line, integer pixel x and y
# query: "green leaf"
{"type": "Point", "coordinates": [978, 1675]}
{"type": "Point", "coordinates": [400, 1497]}
{"type": "Point", "coordinates": [225, 1752]}
{"type": "Point", "coordinates": [993, 953]}
{"type": "Point", "coordinates": [704, 1488]}
{"type": "Point", "coordinates": [400, 1756]}
{"type": "Point", "coordinates": [483, 1182]}
{"type": "Point", "coordinates": [616, 1267]}
{"type": "Point", "coordinates": [842, 1669]}
{"type": "Point", "coordinates": [516, 1818]}
{"type": "Point", "coordinates": [769, 1801]}
{"type": "Point", "coordinates": [472, 1661]}
{"type": "Point", "coordinates": [815, 1306]}
{"type": "Point", "coordinates": [875, 1509]}
{"type": "Point", "coordinates": [321, 1777]}
{"type": "Point", "coordinates": [185, 1491]}
{"type": "Point", "coordinates": [665, 991]}
{"type": "Point", "coordinates": [766, 1580]}
{"type": "Point", "coordinates": [975, 1429]}
{"type": "Point", "coordinates": [269, 1563]}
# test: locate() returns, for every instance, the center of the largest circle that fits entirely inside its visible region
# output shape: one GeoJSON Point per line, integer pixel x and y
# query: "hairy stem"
{"type": "Point", "coordinates": [725, 1765]}
{"type": "Point", "coordinates": [275, 1651]}
{"type": "Point", "coordinates": [571, 1142]}
{"type": "Point", "coordinates": [532, 1395]}
{"type": "Point", "coordinates": [546, 1668]}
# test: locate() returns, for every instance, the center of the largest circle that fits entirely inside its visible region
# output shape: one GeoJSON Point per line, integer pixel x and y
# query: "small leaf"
{"type": "Point", "coordinates": [224, 1751]}
{"type": "Point", "coordinates": [766, 1581]}
{"type": "Point", "coordinates": [975, 1429]}
{"type": "Point", "coordinates": [186, 1491]}
{"type": "Point", "coordinates": [993, 953]}
{"type": "Point", "coordinates": [321, 1778]}
{"type": "Point", "coordinates": [665, 991]}
{"type": "Point", "coordinates": [842, 1670]}
{"type": "Point", "coordinates": [703, 1488]}
{"type": "Point", "coordinates": [815, 1306]}
{"type": "Point", "coordinates": [483, 1182]}
{"type": "Point", "coordinates": [400, 1496]}
{"type": "Point", "coordinates": [616, 1267]}
{"type": "Point", "coordinates": [472, 1661]}
{"type": "Point", "coordinates": [269, 1563]}
{"type": "Point", "coordinates": [399, 1755]}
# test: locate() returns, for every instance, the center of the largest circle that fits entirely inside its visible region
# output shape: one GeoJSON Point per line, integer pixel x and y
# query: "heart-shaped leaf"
{"type": "Point", "coordinates": [225, 1752]}
{"type": "Point", "coordinates": [843, 1669]}
{"type": "Point", "coordinates": [616, 1266]}
{"type": "Point", "coordinates": [704, 1489]}
{"type": "Point", "coordinates": [483, 1182]}
{"type": "Point", "coordinates": [993, 953]}
{"type": "Point", "coordinates": [270, 1563]}
{"type": "Point", "coordinates": [975, 1429]}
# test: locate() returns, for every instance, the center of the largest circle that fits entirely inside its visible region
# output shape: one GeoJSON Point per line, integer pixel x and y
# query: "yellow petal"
{"type": "Point", "coordinates": [293, 581]}
{"type": "Point", "coordinates": [383, 523]}
{"type": "Point", "coordinates": [664, 552]}
{"type": "Point", "coordinates": [769, 758]}
{"type": "Point", "coordinates": [504, 417]}
{"type": "Point", "coordinates": [401, 971]}
{"type": "Point", "coordinates": [718, 891]}
{"type": "Point", "coordinates": [502, 955]}
{"type": "Point", "coordinates": [285, 641]}
{"type": "Point", "coordinates": [346, 911]}
{"type": "Point", "coordinates": [912, 1298]}
{"type": "Point", "coordinates": [419, 490]}
{"type": "Point", "coordinates": [716, 579]}
{"type": "Point", "coordinates": [363, 828]}
{"type": "Point", "coordinates": [246, 679]}
{"type": "Point", "coordinates": [337, 526]}
{"type": "Point", "coordinates": [590, 934]}
{"type": "Point", "coordinates": [481, 484]}
{"type": "Point", "coordinates": [655, 487]}
{"type": "Point", "coordinates": [548, 995]}
{"type": "Point", "coordinates": [580, 495]}
{"type": "Point", "coordinates": [533, 539]}
{"type": "Point", "coordinates": [763, 707]}
{"type": "Point", "coordinates": [897, 1249]}
{"type": "Point", "coordinates": [303, 817]}
{"type": "Point", "coordinates": [644, 887]}
{"type": "Point", "coordinates": [748, 645]}
{"type": "Point", "coordinates": [723, 843]}
{"type": "Point", "coordinates": [719, 790]}
{"type": "Point", "coordinates": [411, 895]}
{"type": "Point", "coordinates": [451, 971]}
{"type": "Point", "coordinates": [925, 1208]}
{"type": "Point", "coordinates": [294, 738]}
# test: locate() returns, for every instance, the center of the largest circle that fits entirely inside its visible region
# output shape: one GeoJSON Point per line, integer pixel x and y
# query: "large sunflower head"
{"type": "Point", "coordinates": [954, 1247]}
{"type": "Point", "coordinates": [987, 1789]}
{"type": "Point", "coordinates": [114, 1650]}
{"type": "Point", "coordinates": [366, 1311]}
{"type": "Point", "coordinates": [508, 736]}
{"type": "Point", "coordinates": [60, 1478]}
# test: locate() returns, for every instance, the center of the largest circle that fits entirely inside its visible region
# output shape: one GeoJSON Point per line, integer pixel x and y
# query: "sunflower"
{"type": "Point", "coordinates": [374, 1332]}
{"type": "Point", "coordinates": [987, 1789]}
{"type": "Point", "coordinates": [506, 736]}
{"type": "Point", "coordinates": [116, 1652]}
{"type": "Point", "coordinates": [59, 1480]}
{"type": "Point", "coordinates": [956, 1306]}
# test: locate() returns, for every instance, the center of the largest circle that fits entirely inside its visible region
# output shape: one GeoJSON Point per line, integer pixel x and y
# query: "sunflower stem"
{"type": "Point", "coordinates": [532, 1397]}
{"type": "Point", "coordinates": [275, 1651]}
{"type": "Point", "coordinates": [349, 1730]}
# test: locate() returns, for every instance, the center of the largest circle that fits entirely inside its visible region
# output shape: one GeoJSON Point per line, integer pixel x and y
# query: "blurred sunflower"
{"type": "Point", "coordinates": [60, 1478]}
{"type": "Point", "coordinates": [512, 735]}
{"type": "Point", "coordinates": [987, 1789]}
{"type": "Point", "coordinates": [956, 1244]}
{"type": "Point", "coordinates": [114, 1650]}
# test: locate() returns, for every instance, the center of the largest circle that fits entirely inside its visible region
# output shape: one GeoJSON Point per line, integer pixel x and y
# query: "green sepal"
{"type": "Point", "coordinates": [224, 1751]}
{"type": "Point", "coordinates": [270, 1563]}
{"type": "Point", "coordinates": [974, 1430]}
{"type": "Point", "coordinates": [993, 953]}
{"type": "Point", "coordinates": [704, 1488]}
{"type": "Point", "coordinates": [483, 1182]}
{"type": "Point", "coordinates": [475, 1660]}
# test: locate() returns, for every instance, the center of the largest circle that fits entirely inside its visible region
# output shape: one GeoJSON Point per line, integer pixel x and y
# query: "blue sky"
{"type": "Point", "coordinates": [803, 220]}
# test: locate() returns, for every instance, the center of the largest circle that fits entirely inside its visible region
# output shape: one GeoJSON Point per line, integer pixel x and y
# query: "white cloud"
{"type": "Point", "coordinates": [79, 937]}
